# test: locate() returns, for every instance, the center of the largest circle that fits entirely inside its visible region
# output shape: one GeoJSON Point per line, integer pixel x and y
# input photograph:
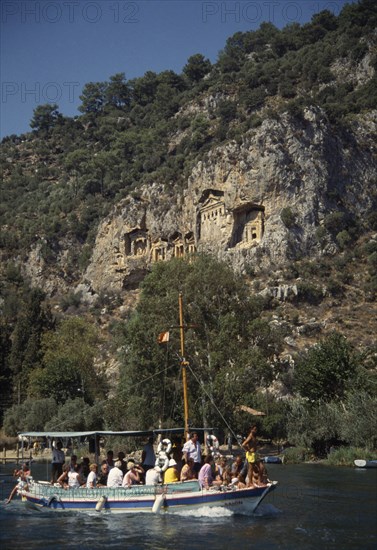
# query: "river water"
{"type": "Point", "coordinates": [314, 507]}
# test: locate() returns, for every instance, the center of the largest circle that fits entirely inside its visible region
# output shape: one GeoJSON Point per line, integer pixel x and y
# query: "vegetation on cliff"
{"type": "Point", "coordinates": [59, 182]}
{"type": "Point", "coordinates": [63, 178]}
{"type": "Point", "coordinates": [234, 354]}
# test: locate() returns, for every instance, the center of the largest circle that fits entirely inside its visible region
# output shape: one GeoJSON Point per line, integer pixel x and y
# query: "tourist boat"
{"type": "Point", "coordinates": [365, 463]}
{"type": "Point", "coordinates": [171, 498]}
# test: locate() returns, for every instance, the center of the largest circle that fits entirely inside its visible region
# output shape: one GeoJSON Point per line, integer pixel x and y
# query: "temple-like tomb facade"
{"type": "Point", "coordinates": [248, 226]}
{"type": "Point", "coordinates": [241, 227]}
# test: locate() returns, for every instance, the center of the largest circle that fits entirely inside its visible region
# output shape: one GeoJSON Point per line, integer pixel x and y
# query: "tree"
{"type": "Point", "coordinates": [226, 347]}
{"type": "Point", "coordinates": [325, 371]}
{"type": "Point", "coordinates": [197, 67]}
{"type": "Point", "coordinates": [69, 353]}
{"type": "Point", "coordinates": [25, 355]}
{"type": "Point", "coordinates": [93, 97]}
{"type": "Point", "coordinates": [45, 117]}
{"type": "Point", "coordinates": [31, 415]}
{"type": "Point", "coordinates": [118, 92]}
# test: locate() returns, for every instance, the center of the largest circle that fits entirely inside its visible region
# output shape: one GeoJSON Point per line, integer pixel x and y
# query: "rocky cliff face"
{"type": "Point", "coordinates": [235, 198]}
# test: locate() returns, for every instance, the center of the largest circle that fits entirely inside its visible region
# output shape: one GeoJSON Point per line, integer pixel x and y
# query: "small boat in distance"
{"type": "Point", "coordinates": [271, 459]}
{"type": "Point", "coordinates": [169, 497]}
{"type": "Point", "coordinates": [365, 463]}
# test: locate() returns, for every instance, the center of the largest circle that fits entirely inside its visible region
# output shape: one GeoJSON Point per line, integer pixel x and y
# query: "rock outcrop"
{"type": "Point", "coordinates": [233, 202]}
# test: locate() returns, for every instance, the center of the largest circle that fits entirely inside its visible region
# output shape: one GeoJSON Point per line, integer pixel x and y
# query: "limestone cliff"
{"type": "Point", "coordinates": [234, 198]}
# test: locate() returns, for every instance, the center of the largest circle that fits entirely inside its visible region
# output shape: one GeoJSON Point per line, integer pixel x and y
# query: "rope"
{"type": "Point", "coordinates": [213, 404]}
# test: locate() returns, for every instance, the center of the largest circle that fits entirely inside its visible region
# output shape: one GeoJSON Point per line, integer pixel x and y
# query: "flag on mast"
{"type": "Point", "coordinates": [163, 338]}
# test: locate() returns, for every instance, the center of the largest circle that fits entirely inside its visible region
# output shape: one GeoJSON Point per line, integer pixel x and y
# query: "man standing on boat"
{"type": "Point", "coordinates": [148, 457]}
{"type": "Point", "coordinates": [191, 449]}
{"type": "Point", "coordinates": [257, 474]}
{"type": "Point", "coordinates": [58, 459]}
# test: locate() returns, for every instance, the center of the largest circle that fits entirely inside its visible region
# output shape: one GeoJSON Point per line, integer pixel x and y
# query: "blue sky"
{"type": "Point", "coordinates": [51, 48]}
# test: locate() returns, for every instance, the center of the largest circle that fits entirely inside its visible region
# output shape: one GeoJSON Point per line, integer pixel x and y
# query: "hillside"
{"type": "Point", "coordinates": [265, 160]}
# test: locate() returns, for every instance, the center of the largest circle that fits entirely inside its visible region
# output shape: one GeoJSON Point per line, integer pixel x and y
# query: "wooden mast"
{"type": "Point", "coordinates": [184, 364]}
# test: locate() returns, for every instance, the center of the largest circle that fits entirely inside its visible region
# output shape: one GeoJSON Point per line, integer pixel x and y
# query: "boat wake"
{"type": "Point", "coordinates": [205, 512]}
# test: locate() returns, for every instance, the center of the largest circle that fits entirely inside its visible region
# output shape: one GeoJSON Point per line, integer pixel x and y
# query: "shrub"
{"type": "Point", "coordinates": [309, 292]}
{"type": "Point", "coordinates": [345, 456]}
{"type": "Point", "coordinates": [294, 455]}
{"type": "Point", "coordinates": [335, 222]}
{"type": "Point", "coordinates": [344, 239]}
{"type": "Point", "coordinates": [288, 217]}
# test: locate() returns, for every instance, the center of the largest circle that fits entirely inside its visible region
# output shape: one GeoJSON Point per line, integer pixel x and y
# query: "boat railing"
{"type": "Point", "coordinates": [44, 489]}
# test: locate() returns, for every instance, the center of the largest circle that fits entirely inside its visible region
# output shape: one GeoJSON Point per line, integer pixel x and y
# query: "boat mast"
{"type": "Point", "coordinates": [184, 364]}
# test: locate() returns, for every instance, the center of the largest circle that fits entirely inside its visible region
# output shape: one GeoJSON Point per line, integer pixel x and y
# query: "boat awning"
{"type": "Point", "coordinates": [142, 433]}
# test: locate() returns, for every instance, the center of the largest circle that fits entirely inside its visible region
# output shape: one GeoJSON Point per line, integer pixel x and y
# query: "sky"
{"type": "Point", "coordinates": [49, 49]}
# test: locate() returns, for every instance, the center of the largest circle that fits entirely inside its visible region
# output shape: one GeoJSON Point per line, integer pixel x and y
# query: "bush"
{"type": "Point", "coordinates": [288, 217]}
{"type": "Point", "coordinates": [335, 222]}
{"type": "Point", "coordinates": [345, 456]}
{"type": "Point", "coordinates": [295, 455]}
{"type": "Point", "coordinates": [308, 292]}
{"type": "Point", "coordinates": [343, 239]}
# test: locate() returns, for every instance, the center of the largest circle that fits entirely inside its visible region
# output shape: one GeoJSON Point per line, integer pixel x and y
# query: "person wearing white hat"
{"type": "Point", "coordinates": [171, 474]}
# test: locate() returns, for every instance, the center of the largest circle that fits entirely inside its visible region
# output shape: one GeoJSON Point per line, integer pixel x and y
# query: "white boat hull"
{"type": "Point", "coordinates": [147, 499]}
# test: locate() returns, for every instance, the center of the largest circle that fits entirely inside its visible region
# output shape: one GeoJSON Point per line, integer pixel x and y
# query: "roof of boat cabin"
{"type": "Point", "coordinates": [142, 433]}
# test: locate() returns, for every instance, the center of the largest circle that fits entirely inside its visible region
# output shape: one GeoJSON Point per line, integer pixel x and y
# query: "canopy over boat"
{"type": "Point", "coordinates": [131, 433]}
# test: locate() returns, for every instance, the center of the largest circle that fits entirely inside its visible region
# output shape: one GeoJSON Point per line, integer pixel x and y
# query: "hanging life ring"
{"type": "Point", "coordinates": [164, 446]}
{"type": "Point", "coordinates": [162, 462]}
{"type": "Point", "coordinates": [212, 443]}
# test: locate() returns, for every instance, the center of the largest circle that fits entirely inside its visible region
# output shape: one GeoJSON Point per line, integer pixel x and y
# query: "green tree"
{"type": "Point", "coordinates": [69, 352]}
{"type": "Point", "coordinates": [118, 92]}
{"type": "Point", "coordinates": [31, 415]}
{"type": "Point", "coordinates": [33, 320]}
{"type": "Point", "coordinates": [45, 117]}
{"type": "Point", "coordinates": [226, 347]}
{"type": "Point", "coordinates": [326, 370]}
{"type": "Point", "coordinates": [93, 97]}
{"type": "Point", "coordinates": [196, 67]}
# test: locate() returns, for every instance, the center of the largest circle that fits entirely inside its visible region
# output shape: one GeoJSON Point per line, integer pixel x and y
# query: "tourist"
{"type": "Point", "coordinates": [58, 459]}
{"type": "Point", "coordinates": [133, 476]}
{"type": "Point", "coordinates": [257, 474]}
{"type": "Point", "coordinates": [238, 466]}
{"type": "Point", "coordinates": [115, 477]}
{"type": "Point", "coordinates": [103, 475]}
{"type": "Point", "coordinates": [171, 474]}
{"type": "Point", "coordinates": [153, 476]}
{"type": "Point", "coordinates": [227, 475]}
{"type": "Point", "coordinates": [73, 463]}
{"type": "Point", "coordinates": [110, 459]}
{"type": "Point", "coordinates": [91, 481]}
{"type": "Point", "coordinates": [205, 477]}
{"type": "Point", "coordinates": [85, 468]}
{"type": "Point", "coordinates": [191, 449]}
{"type": "Point", "coordinates": [74, 478]}
{"type": "Point", "coordinates": [22, 476]}
{"type": "Point", "coordinates": [63, 479]}
{"type": "Point", "coordinates": [148, 457]}
{"type": "Point", "coordinates": [121, 457]}
{"type": "Point", "coordinates": [187, 471]}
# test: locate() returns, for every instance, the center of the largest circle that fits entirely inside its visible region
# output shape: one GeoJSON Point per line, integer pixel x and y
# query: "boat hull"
{"type": "Point", "coordinates": [366, 463]}
{"type": "Point", "coordinates": [144, 499]}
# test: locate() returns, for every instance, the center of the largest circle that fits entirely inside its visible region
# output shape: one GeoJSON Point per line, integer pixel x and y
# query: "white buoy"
{"type": "Point", "coordinates": [158, 503]}
{"type": "Point", "coordinates": [101, 503]}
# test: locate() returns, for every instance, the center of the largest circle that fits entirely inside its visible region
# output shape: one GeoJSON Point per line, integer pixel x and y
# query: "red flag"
{"type": "Point", "coordinates": [163, 337]}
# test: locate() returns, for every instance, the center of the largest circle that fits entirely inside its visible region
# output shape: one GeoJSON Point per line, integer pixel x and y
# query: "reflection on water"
{"type": "Point", "coordinates": [334, 508]}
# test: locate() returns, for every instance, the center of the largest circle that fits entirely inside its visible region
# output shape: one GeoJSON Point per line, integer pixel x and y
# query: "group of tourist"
{"type": "Point", "coordinates": [186, 463]}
